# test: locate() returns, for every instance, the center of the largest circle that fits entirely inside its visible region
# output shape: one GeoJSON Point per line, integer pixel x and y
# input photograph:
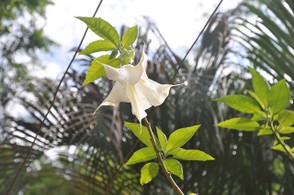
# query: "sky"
{"type": "Point", "coordinates": [179, 22]}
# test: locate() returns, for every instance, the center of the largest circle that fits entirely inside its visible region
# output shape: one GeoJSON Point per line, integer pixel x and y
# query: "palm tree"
{"type": "Point", "coordinates": [90, 150]}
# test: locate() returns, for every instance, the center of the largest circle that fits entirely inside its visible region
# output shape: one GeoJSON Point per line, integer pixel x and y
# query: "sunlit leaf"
{"type": "Point", "coordinates": [185, 154]}
{"type": "Point", "coordinates": [129, 36]}
{"type": "Point", "coordinates": [140, 132]}
{"type": "Point", "coordinates": [241, 103]}
{"type": "Point", "coordinates": [96, 46]}
{"type": "Point", "coordinates": [259, 116]}
{"type": "Point", "coordinates": [261, 87]}
{"type": "Point", "coordinates": [279, 97]}
{"type": "Point", "coordinates": [148, 172]}
{"type": "Point", "coordinates": [127, 55]}
{"type": "Point", "coordinates": [285, 118]}
{"type": "Point", "coordinates": [265, 131]}
{"type": "Point", "coordinates": [162, 139]}
{"type": "Point", "coordinates": [96, 70]}
{"type": "Point", "coordinates": [142, 155]}
{"type": "Point", "coordinates": [175, 167]}
{"type": "Point", "coordinates": [286, 130]}
{"type": "Point", "coordinates": [260, 101]}
{"type": "Point", "coordinates": [284, 138]}
{"type": "Point", "coordinates": [243, 124]}
{"type": "Point", "coordinates": [279, 147]}
{"type": "Point", "coordinates": [102, 28]}
{"type": "Point", "coordinates": [180, 136]}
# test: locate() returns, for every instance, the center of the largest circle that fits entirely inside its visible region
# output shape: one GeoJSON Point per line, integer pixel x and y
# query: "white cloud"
{"type": "Point", "coordinates": [179, 21]}
{"type": "Point", "coordinates": [51, 70]}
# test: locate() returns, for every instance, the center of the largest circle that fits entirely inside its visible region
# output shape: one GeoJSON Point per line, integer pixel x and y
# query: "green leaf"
{"type": "Point", "coordinates": [179, 137]}
{"type": "Point", "coordinates": [257, 98]}
{"type": "Point", "coordinates": [102, 28]}
{"type": "Point", "coordinates": [141, 155]}
{"type": "Point", "coordinates": [113, 54]}
{"type": "Point", "coordinates": [279, 147]}
{"type": "Point", "coordinates": [284, 138]}
{"type": "Point", "coordinates": [286, 130]}
{"type": "Point", "coordinates": [184, 154]}
{"type": "Point", "coordinates": [96, 70]}
{"type": "Point", "coordinates": [130, 36]}
{"type": "Point", "coordinates": [140, 132]}
{"type": "Point", "coordinates": [285, 118]}
{"type": "Point", "coordinates": [148, 172]}
{"type": "Point", "coordinates": [259, 116]}
{"type": "Point", "coordinates": [175, 167]}
{"type": "Point", "coordinates": [261, 87]}
{"type": "Point", "coordinates": [243, 124]}
{"type": "Point", "coordinates": [162, 139]}
{"type": "Point", "coordinates": [127, 55]}
{"type": "Point", "coordinates": [265, 131]}
{"type": "Point", "coordinates": [96, 46]}
{"type": "Point", "coordinates": [279, 97]}
{"type": "Point", "coordinates": [241, 103]}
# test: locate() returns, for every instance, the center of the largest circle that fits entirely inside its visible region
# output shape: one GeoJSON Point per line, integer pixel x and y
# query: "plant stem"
{"type": "Point", "coordinates": [284, 145]}
{"type": "Point", "coordinates": [160, 160]}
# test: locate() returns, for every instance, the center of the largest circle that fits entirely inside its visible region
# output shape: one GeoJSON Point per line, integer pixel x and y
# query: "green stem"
{"type": "Point", "coordinates": [281, 141]}
{"type": "Point", "coordinates": [160, 160]}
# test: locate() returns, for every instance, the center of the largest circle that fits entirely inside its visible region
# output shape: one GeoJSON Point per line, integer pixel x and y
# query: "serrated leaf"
{"type": "Point", "coordinates": [175, 167]}
{"type": "Point", "coordinates": [142, 155]}
{"type": "Point", "coordinates": [241, 103]}
{"type": "Point", "coordinates": [261, 87]}
{"type": "Point", "coordinates": [140, 132]}
{"type": "Point", "coordinates": [184, 154]}
{"type": "Point", "coordinates": [148, 172]}
{"type": "Point", "coordinates": [265, 131]}
{"type": "Point", "coordinates": [102, 28]}
{"type": "Point", "coordinates": [162, 139]}
{"type": "Point", "coordinates": [286, 130]}
{"type": "Point", "coordinates": [180, 136]}
{"type": "Point", "coordinates": [242, 124]}
{"type": "Point", "coordinates": [96, 70]}
{"type": "Point", "coordinates": [285, 118]}
{"type": "Point", "coordinates": [279, 97]}
{"type": "Point", "coordinates": [129, 36]}
{"type": "Point", "coordinates": [99, 45]}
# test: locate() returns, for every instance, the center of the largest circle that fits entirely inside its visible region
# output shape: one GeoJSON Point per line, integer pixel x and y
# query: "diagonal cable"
{"type": "Point", "coordinates": [193, 44]}
{"type": "Point", "coordinates": [109, 184]}
{"type": "Point", "coordinates": [28, 154]}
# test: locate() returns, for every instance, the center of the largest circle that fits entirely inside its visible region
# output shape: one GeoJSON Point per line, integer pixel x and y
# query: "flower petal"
{"type": "Point", "coordinates": [126, 74]}
{"type": "Point", "coordinates": [117, 95]}
{"type": "Point", "coordinates": [155, 93]}
{"type": "Point", "coordinates": [143, 60]}
{"type": "Point", "coordinates": [138, 106]}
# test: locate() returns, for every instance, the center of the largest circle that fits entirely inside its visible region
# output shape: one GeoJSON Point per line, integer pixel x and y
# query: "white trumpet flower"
{"type": "Point", "coordinates": [133, 86]}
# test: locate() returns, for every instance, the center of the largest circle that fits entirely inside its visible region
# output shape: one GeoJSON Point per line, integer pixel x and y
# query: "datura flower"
{"type": "Point", "coordinates": [133, 86]}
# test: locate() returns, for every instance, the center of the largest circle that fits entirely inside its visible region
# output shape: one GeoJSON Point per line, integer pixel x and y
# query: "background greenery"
{"type": "Point", "coordinates": [91, 149]}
